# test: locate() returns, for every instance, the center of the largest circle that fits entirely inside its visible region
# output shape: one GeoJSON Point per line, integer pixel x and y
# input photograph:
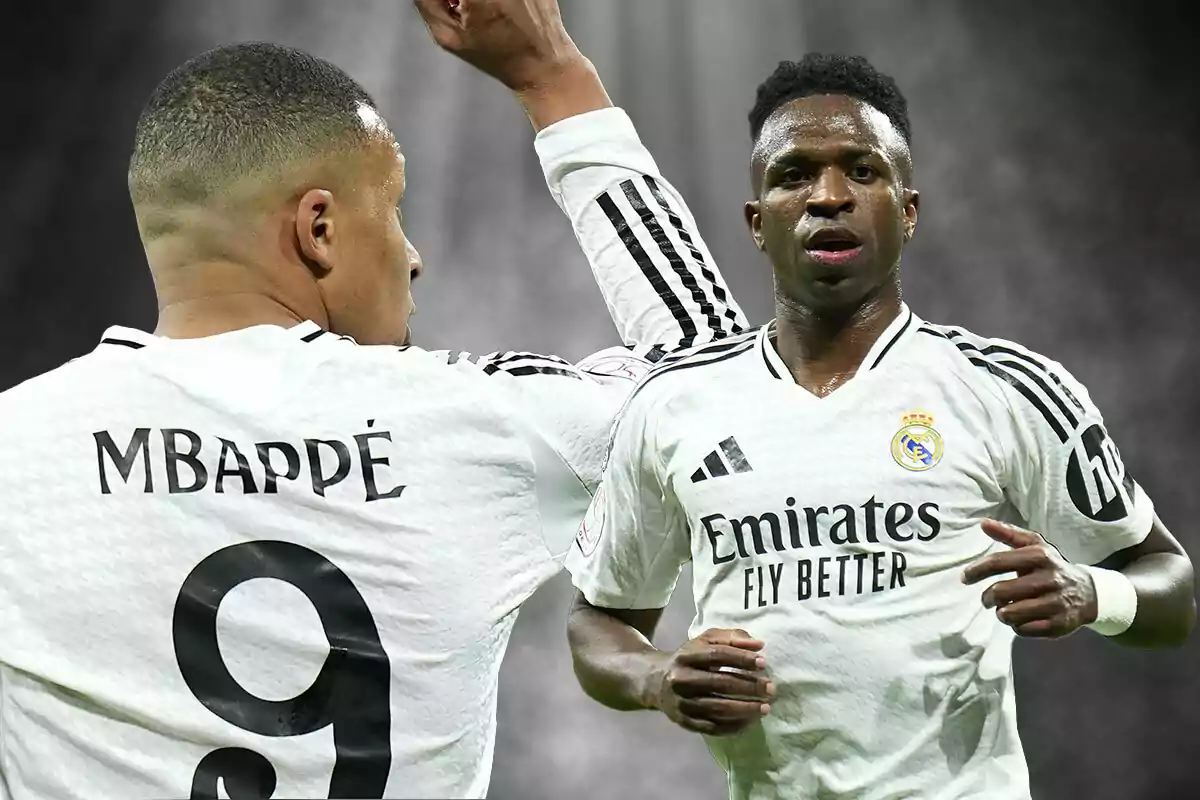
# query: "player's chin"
{"type": "Point", "coordinates": [834, 291]}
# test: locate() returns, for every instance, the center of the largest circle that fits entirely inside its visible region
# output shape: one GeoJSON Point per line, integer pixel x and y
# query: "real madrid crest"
{"type": "Point", "coordinates": [917, 446]}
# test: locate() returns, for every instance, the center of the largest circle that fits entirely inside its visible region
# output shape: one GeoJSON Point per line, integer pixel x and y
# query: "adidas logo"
{"type": "Point", "coordinates": [716, 466]}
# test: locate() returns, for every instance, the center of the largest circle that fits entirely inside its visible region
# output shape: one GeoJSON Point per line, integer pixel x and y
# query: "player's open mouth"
{"type": "Point", "coordinates": [833, 245]}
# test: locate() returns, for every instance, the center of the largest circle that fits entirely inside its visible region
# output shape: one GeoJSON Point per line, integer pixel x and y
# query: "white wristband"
{"type": "Point", "coordinates": [1116, 601]}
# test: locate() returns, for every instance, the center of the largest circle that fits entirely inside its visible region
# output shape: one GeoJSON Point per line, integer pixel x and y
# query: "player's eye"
{"type": "Point", "coordinates": [791, 176]}
{"type": "Point", "coordinates": [862, 172]}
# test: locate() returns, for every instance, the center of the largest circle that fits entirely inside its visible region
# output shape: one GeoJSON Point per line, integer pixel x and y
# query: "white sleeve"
{"type": "Point", "coordinates": [657, 276]}
{"type": "Point", "coordinates": [633, 543]}
{"type": "Point", "coordinates": [566, 415]}
{"type": "Point", "coordinates": [1065, 475]}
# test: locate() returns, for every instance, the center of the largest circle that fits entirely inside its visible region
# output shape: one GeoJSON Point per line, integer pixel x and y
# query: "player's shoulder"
{"type": "Point", "coordinates": [508, 364]}
{"type": "Point", "coordinates": [1007, 369]}
{"type": "Point", "coordinates": [686, 369]}
{"type": "Point", "coordinates": [982, 353]}
{"type": "Point", "coordinates": [49, 392]}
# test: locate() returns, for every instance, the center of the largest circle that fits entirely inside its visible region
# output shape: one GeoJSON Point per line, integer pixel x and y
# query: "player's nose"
{"type": "Point", "coordinates": [416, 266]}
{"type": "Point", "coordinates": [830, 195]}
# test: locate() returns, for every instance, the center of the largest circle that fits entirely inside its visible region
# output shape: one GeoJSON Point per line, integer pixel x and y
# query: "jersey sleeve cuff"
{"type": "Point", "coordinates": [605, 137]}
{"type": "Point", "coordinates": [601, 597]}
{"type": "Point", "coordinates": [1129, 534]}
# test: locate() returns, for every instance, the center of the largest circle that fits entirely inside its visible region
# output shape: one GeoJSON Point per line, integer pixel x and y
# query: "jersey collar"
{"type": "Point", "coordinates": [897, 332]}
{"type": "Point", "coordinates": [118, 336]}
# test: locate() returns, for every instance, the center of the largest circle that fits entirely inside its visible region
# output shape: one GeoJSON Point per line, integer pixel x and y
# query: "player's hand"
{"type": "Point", "coordinates": [695, 694]}
{"type": "Point", "coordinates": [1050, 597]}
{"type": "Point", "coordinates": [521, 43]}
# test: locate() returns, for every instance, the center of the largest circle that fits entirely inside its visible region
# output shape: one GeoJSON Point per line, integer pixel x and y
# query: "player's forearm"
{"type": "Point", "coordinates": [615, 664]}
{"type": "Point", "coordinates": [1166, 601]}
{"type": "Point", "coordinates": [658, 278]}
{"type": "Point", "coordinates": [565, 90]}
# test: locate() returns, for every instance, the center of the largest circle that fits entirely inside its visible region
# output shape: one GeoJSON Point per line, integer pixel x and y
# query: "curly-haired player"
{"type": "Point", "coordinates": [842, 480]}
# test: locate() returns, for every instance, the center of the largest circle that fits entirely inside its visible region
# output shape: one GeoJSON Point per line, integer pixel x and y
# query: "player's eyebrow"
{"type": "Point", "coordinates": [800, 154]}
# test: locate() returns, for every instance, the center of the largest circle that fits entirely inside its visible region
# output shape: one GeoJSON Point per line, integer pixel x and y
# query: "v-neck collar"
{"type": "Point", "coordinates": [894, 336]}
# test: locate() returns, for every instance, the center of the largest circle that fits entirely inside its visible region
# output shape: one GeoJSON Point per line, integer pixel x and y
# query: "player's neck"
{"type": "Point", "coordinates": [824, 349]}
{"type": "Point", "coordinates": [214, 298]}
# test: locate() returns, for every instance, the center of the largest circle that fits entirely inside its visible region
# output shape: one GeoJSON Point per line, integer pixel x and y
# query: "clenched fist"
{"type": "Point", "coordinates": [521, 43]}
{"type": "Point", "coordinates": [715, 683]}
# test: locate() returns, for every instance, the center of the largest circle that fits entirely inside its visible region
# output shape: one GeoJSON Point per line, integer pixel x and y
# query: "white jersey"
{"type": "Point", "coordinates": [836, 531]}
{"type": "Point", "coordinates": [277, 562]}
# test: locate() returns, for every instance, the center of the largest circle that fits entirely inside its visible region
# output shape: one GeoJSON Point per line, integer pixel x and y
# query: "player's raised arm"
{"type": "Point", "coordinates": [658, 278]}
{"type": "Point", "coordinates": [1124, 575]}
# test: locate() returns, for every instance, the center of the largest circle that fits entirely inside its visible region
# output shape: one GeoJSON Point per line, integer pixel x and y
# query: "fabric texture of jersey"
{"type": "Point", "coordinates": [836, 530]}
{"type": "Point", "coordinates": [277, 562]}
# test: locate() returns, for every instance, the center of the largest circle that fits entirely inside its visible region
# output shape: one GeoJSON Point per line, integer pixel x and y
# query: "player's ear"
{"type": "Point", "coordinates": [315, 230]}
{"type": "Point", "coordinates": [753, 212]}
{"type": "Point", "coordinates": [912, 204]}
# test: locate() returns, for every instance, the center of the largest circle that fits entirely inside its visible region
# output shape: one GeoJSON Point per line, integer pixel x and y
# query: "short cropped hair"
{"type": "Point", "coordinates": [819, 73]}
{"type": "Point", "coordinates": [235, 110]}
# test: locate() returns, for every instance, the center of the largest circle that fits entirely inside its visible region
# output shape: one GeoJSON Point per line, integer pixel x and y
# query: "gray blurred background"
{"type": "Point", "coordinates": [1055, 151]}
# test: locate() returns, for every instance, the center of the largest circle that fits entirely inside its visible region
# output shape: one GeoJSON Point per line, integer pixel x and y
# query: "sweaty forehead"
{"type": "Point", "coordinates": [826, 121]}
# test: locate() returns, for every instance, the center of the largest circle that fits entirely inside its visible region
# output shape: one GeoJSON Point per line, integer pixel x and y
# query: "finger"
{"type": "Point", "coordinates": [1053, 628]}
{"type": "Point", "coordinates": [443, 24]}
{"type": "Point", "coordinates": [1020, 613]}
{"type": "Point", "coordinates": [1023, 561]}
{"type": "Point", "coordinates": [690, 682]}
{"type": "Point", "coordinates": [723, 710]}
{"type": "Point", "coordinates": [697, 725]}
{"type": "Point", "coordinates": [432, 10]}
{"type": "Point", "coordinates": [733, 637]}
{"type": "Point", "coordinates": [715, 656]}
{"type": "Point", "coordinates": [1026, 587]}
{"type": "Point", "coordinates": [1010, 535]}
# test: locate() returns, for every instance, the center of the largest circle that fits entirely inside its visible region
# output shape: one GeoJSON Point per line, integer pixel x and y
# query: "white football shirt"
{"type": "Point", "coordinates": [836, 530]}
{"type": "Point", "coordinates": [275, 561]}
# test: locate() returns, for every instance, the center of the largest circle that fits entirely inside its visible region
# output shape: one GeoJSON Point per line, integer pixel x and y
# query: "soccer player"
{"type": "Point", "coordinates": [844, 481]}
{"type": "Point", "coordinates": [264, 550]}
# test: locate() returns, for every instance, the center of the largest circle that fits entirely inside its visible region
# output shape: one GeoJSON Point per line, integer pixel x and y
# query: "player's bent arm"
{"type": "Point", "coordinates": [1164, 581]}
{"type": "Point", "coordinates": [714, 684]}
{"type": "Point", "coordinates": [615, 662]}
{"type": "Point", "coordinates": [1068, 480]}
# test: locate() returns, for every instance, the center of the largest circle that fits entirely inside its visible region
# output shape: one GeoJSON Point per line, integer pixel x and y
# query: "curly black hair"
{"type": "Point", "coordinates": [819, 73]}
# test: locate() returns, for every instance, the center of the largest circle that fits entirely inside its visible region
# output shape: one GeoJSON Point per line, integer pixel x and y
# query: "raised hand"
{"type": "Point", "coordinates": [521, 43]}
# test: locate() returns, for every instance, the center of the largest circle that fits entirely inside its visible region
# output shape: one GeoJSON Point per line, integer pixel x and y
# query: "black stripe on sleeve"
{"type": "Point", "coordinates": [1029, 394]}
{"type": "Point", "coordinates": [1005, 362]}
{"type": "Point", "coordinates": [500, 359]}
{"type": "Point", "coordinates": [995, 348]}
{"type": "Point", "coordinates": [685, 236]}
{"type": "Point", "coordinates": [719, 347]}
{"type": "Point", "coordinates": [123, 343]}
{"type": "Point", "coordinates": [686, 325]}
{"type": "Point", "coordinates": [313, 336]}
{"type": "Point", "coordinates": [746, 346]}
{"type": "Point", "coordinates": [672, 256]}
{"type": "Point", "coordinates": [530, 370]}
